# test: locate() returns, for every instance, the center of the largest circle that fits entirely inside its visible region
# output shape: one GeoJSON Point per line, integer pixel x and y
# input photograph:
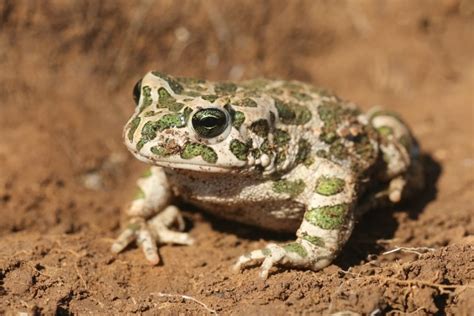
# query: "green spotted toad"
{"type": "Point", "coordinates": [280, 155]}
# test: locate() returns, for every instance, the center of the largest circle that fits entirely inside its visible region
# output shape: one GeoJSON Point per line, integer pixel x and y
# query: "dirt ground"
{"type": "Point", "coordinates": [67, 69]}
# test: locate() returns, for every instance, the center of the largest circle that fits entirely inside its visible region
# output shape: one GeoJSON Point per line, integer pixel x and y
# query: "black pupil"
{"type": "Point", "coordinates": [209, 122]}
{"type": "Point", "coordinates": [136, 91]}
{"type": "Point", "coordinates": [212, 121]}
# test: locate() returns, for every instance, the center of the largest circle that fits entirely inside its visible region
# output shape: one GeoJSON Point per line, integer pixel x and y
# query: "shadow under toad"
{"type": "Point", "coordinates": [381, 224]}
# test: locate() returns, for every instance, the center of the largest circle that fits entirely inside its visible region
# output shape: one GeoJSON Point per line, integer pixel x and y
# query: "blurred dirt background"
{"type": "Point", "coordinates": [67, 69]}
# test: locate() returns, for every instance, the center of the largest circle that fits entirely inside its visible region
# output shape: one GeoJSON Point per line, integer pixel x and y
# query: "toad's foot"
{"type": "Point", "coordinates": [293, 255]}
{"type": "Point", "coordinates": [156, 230]}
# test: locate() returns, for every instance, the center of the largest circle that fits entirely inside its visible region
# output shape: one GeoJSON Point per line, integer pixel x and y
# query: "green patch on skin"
{"type": "Point", "coordinates": [239, 149]}
{"type": "Point", "coordinates": [170, 120]}
{"type": "Point", "coordinates": [139, 195]}
{"type": "Point", "coordinates": [328, 186]}
{"type": "Point", "coordinates": [175, 107]}
{"type": "Point", "coordinates": [363, 152]}
{"type": "Point", "coordinates": [280, 158]}
{"type": "Point", "coordinates": [359, 151]}
{"type": "Point", "coordinates": [364, 149]}
{"type": "Point", "coordinates": [225, 88]}
{"type": "Point", "coordinates": [191, 150]}
{"type": "Point", "coordinates": [238, 119]}
{"type": "Point", "coordinates": [256, 84]}
{"type": "Point", "coordinates": [338, 151]}
{"type": "Point", "coordinates": [174, 84]}
{"type": "Point", "coordinates": [165, 151]}
{"type": "Point", "coordinates": [256, 153]}
{"type": "Point", "coordinates": [260, 127]}
{"type": "Point", "coordinates": [266, 149]}
{"type": "Point", "coordinates": [210, 97]}
{"type": "Point", "coordinates": [276, 91]}
{"type": "Point", "coordinates": [193, 87]}
{"type": "Point", "coordinates": [132, 127]}
{"type": "Point", "coordinates": [190, 81]}
{"type": "Point", "coordinates": [328, 137]}
{"type": "Point", "coordinates": [322, 153]}
{"type": "Point", "coordinates": [150, 113]}
{"type": "Point", "coordinates": [300, 96]}
{"type": "Point", "coordinates": [292, 188]}
{"type": "Point", "coordinates": [247, 102]}
{"type": "Point", "coordinates": [281, 138]}
{"type": "Point", "coordinates": [304, 150]}
{"type": "Point", "coordinates": [308, 161]}
{"type": "Point", "coordinates": [141, 143]}
{"type": "Point", "coordinates": [385, 131]}
{"type": "Point", "coordinates": [165, 100]}
{"type": "Point", "coordinates": [315, 240]}
{"type": "Point", "coordinates": [147, 173]}
{"type": "Point", "coordinates": [150, 128]}
{"type": "Point", "coordinates": [333, 114]}
{"type": "Point", "coordinates": [146, 95]}
{"type": "Point", "coordinates": [186, 113]}
{"type": "Point", "coordinates": [148, 133]}
{"type": "Point", "coordinates": [192, 93]}
{"type": "Point", "coordinates": [296, 248]}
{"type": "Point", "coordinates": [266, 252]}
{"type": "Point", "coordinates": [292, 113]}
{"type": "Point", "coordinates": [327, 217]}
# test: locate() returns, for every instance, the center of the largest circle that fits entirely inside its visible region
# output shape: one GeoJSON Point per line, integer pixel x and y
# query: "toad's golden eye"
{"type": "Point", "coordinates": [209, 123]}
{"type": "Point", "coordinates": [137, 91]}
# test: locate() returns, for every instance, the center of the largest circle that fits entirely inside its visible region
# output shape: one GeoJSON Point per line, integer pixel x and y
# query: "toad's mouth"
{"type": "Point", "coordinates": [193, 164]}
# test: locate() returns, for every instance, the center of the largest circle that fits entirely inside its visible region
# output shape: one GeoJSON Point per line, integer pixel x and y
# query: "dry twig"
{"type": "Point", "coordinates": [417, 250]}
{"type": "Point", "coordinates": [186, 297]}
{"type": "Point", "coordinates": [443, 288]}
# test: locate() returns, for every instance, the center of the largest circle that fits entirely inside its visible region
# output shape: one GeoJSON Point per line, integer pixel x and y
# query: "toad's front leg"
{"type": "Point", "coordinates": [151, 217]}
{"type": "Point", "coordinates": [326, 226]}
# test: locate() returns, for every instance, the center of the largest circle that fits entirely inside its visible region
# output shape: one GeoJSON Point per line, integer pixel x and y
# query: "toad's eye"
{"type": "Point", "coordinates": [210, 122]}
{"type": "Point", "coordinates": [136, 91]}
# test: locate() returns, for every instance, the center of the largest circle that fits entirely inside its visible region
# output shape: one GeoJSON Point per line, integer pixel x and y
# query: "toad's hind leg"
{"type": "Point", "coordinates": [330, 197]}
{"type": "Point", "coordinates": [401, 154]}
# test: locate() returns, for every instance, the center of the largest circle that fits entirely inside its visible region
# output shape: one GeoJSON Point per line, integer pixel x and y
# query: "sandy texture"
{"type": "Point", "coordinates": [67, 71]}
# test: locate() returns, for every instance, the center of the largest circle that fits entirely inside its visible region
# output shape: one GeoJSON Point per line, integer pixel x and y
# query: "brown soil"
{"type": "Point", "coordinates": [67, 70]}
